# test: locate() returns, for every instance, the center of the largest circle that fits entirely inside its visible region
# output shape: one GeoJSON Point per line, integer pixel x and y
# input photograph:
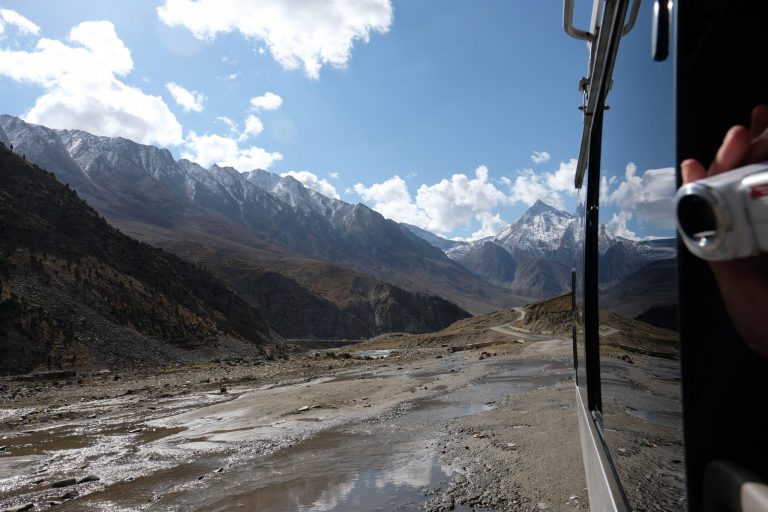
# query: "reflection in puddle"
{"type": "Point", "coordinates": [372, 472]}
{"type": "Point", "coordinates": [374, 354]}
{"type": "Point", "coordinates": [372, 466]}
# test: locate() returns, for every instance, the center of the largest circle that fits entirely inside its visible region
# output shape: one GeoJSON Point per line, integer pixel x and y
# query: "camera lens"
{"type": "Point", "coordinates": [697, 219]}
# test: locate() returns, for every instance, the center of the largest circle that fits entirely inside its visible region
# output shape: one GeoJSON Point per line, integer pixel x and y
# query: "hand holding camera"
{"type": "Point", "coordinates": [743, 281]}
{"type": "Point", "coordinates": [725, 216]}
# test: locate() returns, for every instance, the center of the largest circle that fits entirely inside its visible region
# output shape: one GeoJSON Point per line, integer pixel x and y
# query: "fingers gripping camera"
{"type": "Point", "coordinates": [725, 216]}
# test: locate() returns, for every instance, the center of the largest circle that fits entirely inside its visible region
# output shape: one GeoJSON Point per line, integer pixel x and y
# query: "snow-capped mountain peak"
{"type": "Point", "coordinates": [539, 230]}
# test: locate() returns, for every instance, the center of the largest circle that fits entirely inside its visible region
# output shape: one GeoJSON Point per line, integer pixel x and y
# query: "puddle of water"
{"type": "Point", "coordinates": [374, 354]}
{"type": "Point", "coordinates": [373, 472]}
{"type": "Point", "coordinates": [42, 441]}
{"type": "Point", "coordinates": [372, 466]}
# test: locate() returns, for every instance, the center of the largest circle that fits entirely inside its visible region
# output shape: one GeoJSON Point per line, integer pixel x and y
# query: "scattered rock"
{"type": "Point", "coordinates": [28, 506]}
{"type": "Point", "coordinates": [89, 478]}
{"type": "Point", "coordinates": [219, 470]}
{"type": "Point", "coordinates": [302, 409]}
{"type": "Point", "coordinates": [64, 483]}
{"type": "Point", "coordinates": [542, 506]}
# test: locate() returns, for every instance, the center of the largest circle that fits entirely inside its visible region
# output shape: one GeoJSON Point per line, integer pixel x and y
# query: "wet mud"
{"type": "Point", "coordinates": [384, 436]}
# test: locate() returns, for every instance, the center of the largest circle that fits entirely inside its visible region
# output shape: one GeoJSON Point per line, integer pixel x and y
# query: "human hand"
{"type": "Point", "coordinates": [743, 282]}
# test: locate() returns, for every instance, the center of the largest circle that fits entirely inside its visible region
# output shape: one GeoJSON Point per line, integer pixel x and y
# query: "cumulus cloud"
{"type": "Point", "coordinates": [333, 175]}
{"type": "Point", "coordinates": [311, 181]}
{"type": "Point", "coordinates": [530, 186]}
{"type": "Point", "coordinates": [297, 34]}
{"type": "Point", "coordinates": [648, 196]}
{"type": "Point", "coordinates": [82, 88]}
{"type": "Point", "coordinates": [267, 101]}
{"type": "Point", "coordinates": [442, 207]}
{"type": "Point", "coordinates": [391, 199]}
{"type": "Point", "coordinates": [253, 127]}
{"type": "Point", "coordinates": [452, 203]}
{"type": "Point", "coordinates": [207, 150]}
{"type": "Point", "coordinates": [186, 99]}
{"type": "Point", "coordinates": [539, 157]}
{"type": "Point", "coordinates": [14, 19]}
{"type": "Point", "coordinates": [490, 225]}
{"type": "Point", "coordinates": [618, 225]}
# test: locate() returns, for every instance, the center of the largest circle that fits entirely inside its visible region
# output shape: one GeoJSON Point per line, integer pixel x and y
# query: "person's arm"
{"type": "Point", "coordinates": [743, 282]}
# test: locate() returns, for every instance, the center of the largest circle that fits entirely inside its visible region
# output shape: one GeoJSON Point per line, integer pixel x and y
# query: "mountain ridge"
{"type": "Point", "coordinates": [76, 291]}
{"type": "Point", "coordinates": [170, 194]}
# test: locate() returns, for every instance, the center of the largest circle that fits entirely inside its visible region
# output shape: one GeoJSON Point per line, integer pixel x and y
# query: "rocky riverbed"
{"type": "Point", "coordinates": [385, 425]}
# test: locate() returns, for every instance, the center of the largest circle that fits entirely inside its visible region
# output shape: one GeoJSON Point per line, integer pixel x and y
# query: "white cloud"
{"type": "Point", "coordinates": [490, 225]}
{"type": "Point", "coordinates": [232, 76]}
{"type": "Point", "coordinates": [333, 175]}
{"type": "Point", "coordinates": [233, 127]}
{"type": "Point", "coordinates": [267, 101]}
{"type": "Point", "coordinates": [186, 99]}
{"type": "Point", "coordinates": [391, 199]}
{"type": "Point", "coordinates": [539, 157]}
{"type": "Point", "coordinates": [618, 225]}
{"type": "Point", "coordinates": [207, 150]}
{"type": "Point", "coordinates": [528, 187]}
{"type": "Point", "coordinates": [308, 34]}
{"type": "Point", "coordinates": [82, 90]}
{"type": "Point", "coordinates": [14, 19]}
{"type": "Point", "coordinates": [440, 208]}
{"type": "Point", "coordinates": [450, 204]}
{"type": "Point", "coordinates": [253, 126]}
{"type": "Point", "coordinates": [311, 181]}
{"type": "Point", "coordinates": [563, 179]}
{"type": "Point", "coordinates": [549, 187]}
{"type": "Point", "coordinates": [648, 196]}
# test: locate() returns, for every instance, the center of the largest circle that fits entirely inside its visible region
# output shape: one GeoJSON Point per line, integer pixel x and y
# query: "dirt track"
{"type": "Point", "coordinates": [424, 429]}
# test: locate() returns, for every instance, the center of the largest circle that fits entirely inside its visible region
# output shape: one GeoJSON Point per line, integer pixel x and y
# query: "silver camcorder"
{"type": "Point", "coordinates": [725, 216]}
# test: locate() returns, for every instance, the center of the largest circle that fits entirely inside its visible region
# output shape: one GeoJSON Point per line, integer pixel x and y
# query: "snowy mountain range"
{"type": "Point", "coordinates": [534, 255]}
{"type": "Point", "coordinates": [254, 220]}
{"type": "Point", "coordinates": [227, 219]}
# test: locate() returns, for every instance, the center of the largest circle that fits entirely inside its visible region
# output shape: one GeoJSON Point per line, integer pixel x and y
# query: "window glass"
{"type": "Point", "coordinates": [639, 349]}
{"type": "Point", "coordinates": [578, 291]}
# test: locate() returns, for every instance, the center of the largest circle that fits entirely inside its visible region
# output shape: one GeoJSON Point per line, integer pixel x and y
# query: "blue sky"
{"type": "Point", "coordinates": [451, 115]}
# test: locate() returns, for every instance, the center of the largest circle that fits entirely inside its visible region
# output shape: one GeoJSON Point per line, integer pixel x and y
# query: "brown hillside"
{"type": "Point", "coordinates": [75, 292]}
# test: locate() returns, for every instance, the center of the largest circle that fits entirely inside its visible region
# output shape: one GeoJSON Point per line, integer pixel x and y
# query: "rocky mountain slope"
{"type": "Point", "coordinates": [75, 292]}
{"type": "Point", "coordinates": [142, 190]}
